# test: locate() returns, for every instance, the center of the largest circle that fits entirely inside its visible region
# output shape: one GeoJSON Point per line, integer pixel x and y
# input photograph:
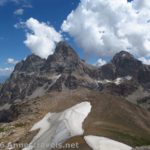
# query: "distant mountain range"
{"type": "Point", "coordinates": [123, 75]}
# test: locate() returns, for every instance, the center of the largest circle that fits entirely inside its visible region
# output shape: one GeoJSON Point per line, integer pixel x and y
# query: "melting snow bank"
{"type": "Point", "coordinates": [101, 143]}
{"type": "Point", "coordinates": [117, 81]}
{"type": "Point", "coordinates": [56, 128]}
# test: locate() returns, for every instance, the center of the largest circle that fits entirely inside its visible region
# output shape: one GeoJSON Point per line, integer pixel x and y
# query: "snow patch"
{"type": "Point", "coordinates": [56, 128]}
{"type": "Point", "coordinates": [124, 55]}
{"type": "Point", "coordinates": [104, 81]}
{"type": "Point", "coordinates": [128, 77]}
{"type": "Point", "coordinates": [54, 79]}
{"type": "Point", "coordinates": [117, 81]}
{"type": "Point", "coordinates": [102, 143]}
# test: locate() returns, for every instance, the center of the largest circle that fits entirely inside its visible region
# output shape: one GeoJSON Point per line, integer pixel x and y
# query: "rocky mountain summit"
{"type": "Point", "coordinates": [64, 70]}
{"type": "Point", "coordinates": [124, 64]}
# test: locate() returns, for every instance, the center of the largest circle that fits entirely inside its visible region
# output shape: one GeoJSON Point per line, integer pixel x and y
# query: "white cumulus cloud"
{"type": "Point", "coordinates": [105, 27]}
{"type": "Point", "coordinates": [145, 60]}
{"type": "Point", "coordinates": [12, 61]}
{"type": "Point", "coordinates": [41, 38]}
{"type": "Point", "coordinates": [19, 11]}
{"type": "Point", "coordinates": [100, 62]}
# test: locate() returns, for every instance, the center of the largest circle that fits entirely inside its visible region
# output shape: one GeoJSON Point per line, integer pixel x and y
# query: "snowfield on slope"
{"type": "Point", "coordinates": [56, 128]}
{"type": "Point", "coordinates": [102, 143]}
{"type": "Point", "coordinates": [117, 81]}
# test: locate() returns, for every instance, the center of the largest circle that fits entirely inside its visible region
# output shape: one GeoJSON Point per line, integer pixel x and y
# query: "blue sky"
{"type": "Point", "coordinates": [89, 28]}
{"type": "Point", "coordinates": [11, 39]}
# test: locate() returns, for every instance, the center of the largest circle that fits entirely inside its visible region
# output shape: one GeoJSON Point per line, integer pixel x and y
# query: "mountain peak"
{"type": "Point", "coordinates": [30, 64]}
{"type": "Point", "coordinates": [64, 57]}
{"type": "Point", "coordinates": [65, 70]}
{"type": "Point", "coordinates": [122, 55]}
{"type": "Point", "coordinates": [126, 64]}
{"type": "Point", "coordinates": [65, 50]}
{"type": "Point", "coordinates": [33, 57]}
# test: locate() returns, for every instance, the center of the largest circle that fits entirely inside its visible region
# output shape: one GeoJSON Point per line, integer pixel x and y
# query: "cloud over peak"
{"type": "Point", "coordinates": [41, 38]}
{"type": "Point", "coordinates": [106, 27]}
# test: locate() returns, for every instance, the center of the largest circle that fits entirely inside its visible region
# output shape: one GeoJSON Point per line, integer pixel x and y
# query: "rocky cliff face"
{"type": "Point", "coordinates": [124, 64]}
{"type": "Point", "coordinates": [34, 76]}
{"type": "Point", "coordinates": [129, 78]}
{"type": "Point", "coordinates": [64, 70]}
{"type": "Point", "coordinates": [24, 80]}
